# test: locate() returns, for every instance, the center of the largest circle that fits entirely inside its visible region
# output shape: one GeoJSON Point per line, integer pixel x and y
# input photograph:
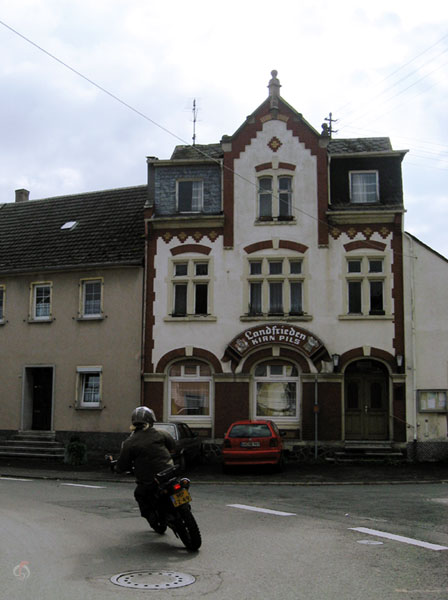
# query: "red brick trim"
{"type": "Point", "coordinates": [183, 234]}
{"type": "Point", "coordinates": [293, 246]}
{"type": "Point", "coordinates": [398, 285]}
{"type": "Point", "coordinates": [149, 295]}
{"type": "Point", "coordinates": [179, 353]}
{"type": "Point", "coordinates": [266, 354]}
{"type": "Point", "coordinates": [358, 354]}
{"type": "Point", "coordinates": [263, 167]}
{"type": "Point", "coordinates": [367, 230]}
{"type": "Point", "coordinates": [368, 245]}
{"type": "Point", "coordinates": [190, 248]}
{"type": "Point", "coordinates": [281, 165]}
{"type": "Point", "coordinates": [286, 166]}
{"type": "Point", "coordinates": [258, 246]}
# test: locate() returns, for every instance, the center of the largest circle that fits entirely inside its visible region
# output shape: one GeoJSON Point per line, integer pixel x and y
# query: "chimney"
{"type": "Point", "coordinates": [22, 195]}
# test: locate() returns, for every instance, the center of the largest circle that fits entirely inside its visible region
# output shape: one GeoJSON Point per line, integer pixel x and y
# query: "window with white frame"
{"type": "Point", "coordinates": [275, 286]}
{"type": "Point", "coordinates": [41, 301]}
{"type": "Point", "coordinates": [91, 298]}
{"type": "Point", "coordinates": [276, 390]}
{"type": "Point", "coordinates": [275, 198]}
{"type": "Point", "coordinates": [190, 389]}
{"type": "Point", "coordinates": [2, 302]}
{"type": "Point", "coordinates": [89, 387]}
{"type": "Point", "coordinates": [364, 187]}
{"type": "Point", "coordinates": [189, 195]}
{"type": "Point", "coordinates": [366, 283]}
{"type": "Point", "coordinates": [190, 286]}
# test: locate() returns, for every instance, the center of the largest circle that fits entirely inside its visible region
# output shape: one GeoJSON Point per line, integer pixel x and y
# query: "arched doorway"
{"type": "Point", "coordinates": [366, 401]}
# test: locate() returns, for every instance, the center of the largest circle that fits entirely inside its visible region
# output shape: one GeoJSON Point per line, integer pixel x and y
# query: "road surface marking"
{"type": "Point", "coordinates": [15, 479]}
{"type": "Point", "coordinates": [263, 510]}
{"type": "Point", "coordinates": [399, 538]}
{"type": "Point", "coordinates": [97, 487]}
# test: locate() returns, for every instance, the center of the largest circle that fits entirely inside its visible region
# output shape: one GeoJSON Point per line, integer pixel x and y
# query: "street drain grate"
{"type": "Point", "coordinates": [152, 580]}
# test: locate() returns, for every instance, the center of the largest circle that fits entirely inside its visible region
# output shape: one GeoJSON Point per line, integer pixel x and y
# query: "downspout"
{"type": "Point", "coordinates": [413, 336]}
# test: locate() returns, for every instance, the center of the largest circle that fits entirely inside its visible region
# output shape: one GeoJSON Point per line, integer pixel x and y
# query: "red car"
{"type": "Point", "coordinates": [253, 443]}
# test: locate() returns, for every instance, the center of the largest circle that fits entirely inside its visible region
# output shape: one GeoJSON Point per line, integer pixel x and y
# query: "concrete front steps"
{"type": "Point", "coordinates": [32, 444]}
{"type": "Point", "coordinates": [368, 451]}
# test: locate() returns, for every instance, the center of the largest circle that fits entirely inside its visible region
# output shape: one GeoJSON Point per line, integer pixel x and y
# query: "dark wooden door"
{"type": "Point", "coordinates": [366, 406]}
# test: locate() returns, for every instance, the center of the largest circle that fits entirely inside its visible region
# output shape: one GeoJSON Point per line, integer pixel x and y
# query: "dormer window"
{"type": "Point", "coordinates": [189, 196]}
{"type": "Point", "coordinates": [364, 187]}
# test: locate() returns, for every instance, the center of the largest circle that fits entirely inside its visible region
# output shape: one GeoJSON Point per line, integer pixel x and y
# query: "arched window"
{"type": "Point", "coordinates": [190, 389]}
{"type": "Point", "coordinates": [276, 390]}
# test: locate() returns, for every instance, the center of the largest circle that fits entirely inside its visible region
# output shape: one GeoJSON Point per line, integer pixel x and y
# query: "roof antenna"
{"type": "Point", "coordinates": [331, 121]}
{"type": "Point", "coordinates": [195, 114]}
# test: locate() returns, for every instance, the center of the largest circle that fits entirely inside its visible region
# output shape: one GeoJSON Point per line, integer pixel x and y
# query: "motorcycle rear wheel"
{"type": "Point", "coordinates": [157, 524]}
{"type": "Point", "coordinates": [188, 530]}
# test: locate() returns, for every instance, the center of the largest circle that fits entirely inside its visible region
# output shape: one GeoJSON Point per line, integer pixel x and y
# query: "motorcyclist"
{"type": "Point", "coordinates": [146, 451]}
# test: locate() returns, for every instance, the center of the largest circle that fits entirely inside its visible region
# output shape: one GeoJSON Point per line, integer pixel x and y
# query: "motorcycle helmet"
{"type": "Point", "coordinates": [143, 415]}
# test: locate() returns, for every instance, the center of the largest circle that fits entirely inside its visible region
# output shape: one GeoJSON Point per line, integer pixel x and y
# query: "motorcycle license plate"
{"type": "Point", "coordinates": [181, 497]}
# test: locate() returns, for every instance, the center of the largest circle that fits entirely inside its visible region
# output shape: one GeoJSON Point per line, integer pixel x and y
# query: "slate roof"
{"type": "Point", "coordinates": [354, 145]}
{"type": "Point", "coordinates": [198, 151]}
{"type": "Point", "coordinates": [109, 231]}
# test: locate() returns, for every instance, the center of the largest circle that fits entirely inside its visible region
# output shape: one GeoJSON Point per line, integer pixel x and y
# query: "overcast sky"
{"type": "Point", "coordinates": [380, 68]}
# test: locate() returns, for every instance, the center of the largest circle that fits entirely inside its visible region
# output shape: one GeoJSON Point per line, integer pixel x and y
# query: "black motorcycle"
{"type": "Point", "coordinates": [169, 499]}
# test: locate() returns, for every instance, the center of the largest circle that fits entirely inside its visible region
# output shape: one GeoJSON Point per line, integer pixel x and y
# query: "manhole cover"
{"type": "Point", "coordinates": [152, 580]}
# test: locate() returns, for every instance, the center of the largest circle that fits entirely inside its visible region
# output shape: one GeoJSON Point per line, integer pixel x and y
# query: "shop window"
{"type": "Point", "coordinates": [40, 302]}
{"type": "Point", "coordinates": [275, 287]}
{"type": "Point", "coordinates": [89, 387]}
{"type": "Point", "coordinates": [276, 391]}
{"type": "Point", "coordinates": [191, 288]}
{"type": "Point", "coordinates": [189, 196]}
{"type": "Point", "coordinates": [366, 283]}
{"type": "Point", "coordinates": [190, 385]}
{"type": "Point", "coordinates": [363, 187]}
{"type": "Point", "coordinates": [275, 198]}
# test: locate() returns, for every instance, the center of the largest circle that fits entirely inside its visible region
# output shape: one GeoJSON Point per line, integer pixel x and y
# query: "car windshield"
{"type": "Point", "coordinates": [171, 429]}
{"type": "Point", "coordinates": [250, 430]}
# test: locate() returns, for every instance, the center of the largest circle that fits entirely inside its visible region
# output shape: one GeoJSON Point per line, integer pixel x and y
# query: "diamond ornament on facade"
{"type": "Point", "coordinates": [274, 144]}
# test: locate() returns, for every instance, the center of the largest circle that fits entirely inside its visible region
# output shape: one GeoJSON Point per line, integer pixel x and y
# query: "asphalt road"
{"type": "Point", "coordinates": [62, 540]}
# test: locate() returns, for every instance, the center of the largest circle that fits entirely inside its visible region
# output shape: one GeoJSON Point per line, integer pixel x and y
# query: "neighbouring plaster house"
{"type": "Point", "coordinates": [71, 289]}
{"type": "Point", "coordinates": [275, 274]}
{"type": "Point", "coordinates": [426, 335]}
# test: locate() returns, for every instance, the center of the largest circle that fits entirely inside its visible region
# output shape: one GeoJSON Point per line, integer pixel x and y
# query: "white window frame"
{"type": "Point", "coordinates": [82, 374]}
{"type": "Point", "coordinates": [266, 278]}
{"type": "Point", "coordinates": [364, 277]}
{"type": "Point", "coordinates": [191, 279]}
{"type": "Point", "coordinates": [82, 298]}
{"type": "Point", "coordinates": [35, 286]}
{"type": "Point", "coordinates": [183, 377]}
{"type": "Point", "coordinates": [275, 194]}
{"type": "Point", "coordinates": [272, 378]}
{"type": "Point", "coordinates": [362, 197]}
{"type": "Point", "coordinates": [197, 195]}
